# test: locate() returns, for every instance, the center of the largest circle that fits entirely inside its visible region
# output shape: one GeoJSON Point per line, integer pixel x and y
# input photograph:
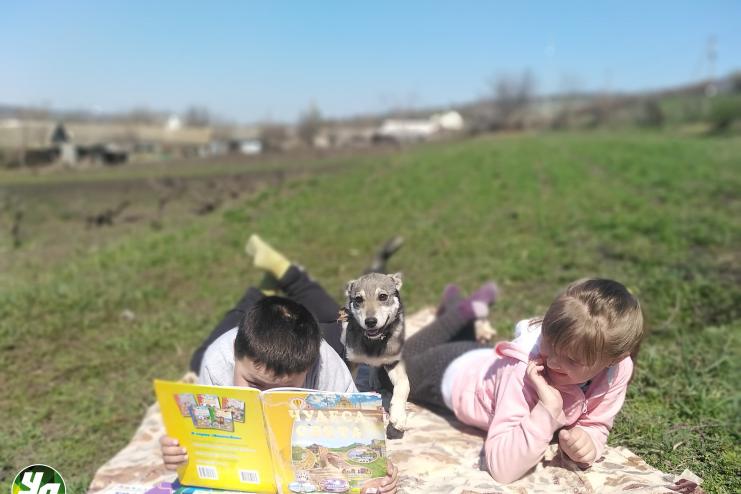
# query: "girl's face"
{"type": "Point", "coordinates": [563, 369]}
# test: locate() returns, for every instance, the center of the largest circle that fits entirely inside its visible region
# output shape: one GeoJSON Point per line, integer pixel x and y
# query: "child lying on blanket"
{"type": "Point", "coordinates": [566, 372]}
{"type": "Point", "coordinates": [269, 341]}
{"type": "Point", "coordinates": [253, 346]}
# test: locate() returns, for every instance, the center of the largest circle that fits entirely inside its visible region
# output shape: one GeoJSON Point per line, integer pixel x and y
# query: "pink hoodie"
{"type": "Point", "coordinates": [492, 395]}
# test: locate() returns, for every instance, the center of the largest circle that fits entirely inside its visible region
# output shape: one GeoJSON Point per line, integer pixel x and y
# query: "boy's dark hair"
{"type": "Point", "coordinates": [280, 334]}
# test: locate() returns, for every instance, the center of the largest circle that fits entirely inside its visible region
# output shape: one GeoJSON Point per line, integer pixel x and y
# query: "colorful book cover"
{"type": "Point", "coordinates": [235, 406]}
{"type": "Point", "coordinates": [185, 401]}
{"type": "Point", "coordinates": [288, 441]}
{"type": "Point", "coordinates": [326, 442]}
{"type": "Point", "coordinates": [209, 400]}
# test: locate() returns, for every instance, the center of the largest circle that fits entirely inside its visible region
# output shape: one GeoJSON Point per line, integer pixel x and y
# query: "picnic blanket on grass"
{"type": "Point", "coordinates": [436, 455]}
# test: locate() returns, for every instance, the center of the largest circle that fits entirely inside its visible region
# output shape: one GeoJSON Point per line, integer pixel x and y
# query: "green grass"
{"type": "Point", "coordinates": [662, 214]}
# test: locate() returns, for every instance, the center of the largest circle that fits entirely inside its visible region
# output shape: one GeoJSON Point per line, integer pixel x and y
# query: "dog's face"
{"type": "Point", "coordinates": [373, 300]}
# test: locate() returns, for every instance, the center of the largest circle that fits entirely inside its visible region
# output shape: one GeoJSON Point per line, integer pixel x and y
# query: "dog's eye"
{"type": "Point", "coordinates": [383, 297]}
{"type": "Point", "coordinates": [358, 300]}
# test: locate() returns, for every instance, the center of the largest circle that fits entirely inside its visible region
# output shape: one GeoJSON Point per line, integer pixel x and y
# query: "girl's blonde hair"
{"type": "Point", "coordinates": [594, 320]}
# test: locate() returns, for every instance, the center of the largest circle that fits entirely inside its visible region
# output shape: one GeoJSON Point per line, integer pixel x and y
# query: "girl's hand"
{"type": "Point", "coordinates": [172, 454]}
{"type": "Point", "coordinates": [547, 394]}
{"type": "Point", "coordinates": [577, 445]}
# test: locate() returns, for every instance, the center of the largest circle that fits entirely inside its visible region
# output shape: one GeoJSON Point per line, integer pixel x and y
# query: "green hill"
{"type": "Point", "coordinates": [659, 213]}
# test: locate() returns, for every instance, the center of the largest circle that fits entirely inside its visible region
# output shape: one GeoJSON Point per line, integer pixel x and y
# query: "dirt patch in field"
{"type": "Point", "coordinates": [43, 223]}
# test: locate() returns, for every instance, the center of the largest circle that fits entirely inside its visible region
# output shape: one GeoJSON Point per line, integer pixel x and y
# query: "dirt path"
{"type": "Point", "coordinates": [43, 223]}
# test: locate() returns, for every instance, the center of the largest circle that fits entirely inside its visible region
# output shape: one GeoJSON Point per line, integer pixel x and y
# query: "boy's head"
{"type": "Point", "coordinates": [593, 324]}
{"type": "Point", "coordinates": [277, 343]}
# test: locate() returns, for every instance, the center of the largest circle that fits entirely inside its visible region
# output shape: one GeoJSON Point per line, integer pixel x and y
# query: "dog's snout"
{"type": "Point", "coordinates": [371, 322]}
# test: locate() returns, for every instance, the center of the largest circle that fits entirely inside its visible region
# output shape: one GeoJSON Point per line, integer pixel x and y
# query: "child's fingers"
{"type": "Point", "coordinates": [533, 370]}
{"type": "Point", "coordinates": [389, 488]}
{"type": "Point", "coordinates": [573, 439]}
{"type": "Point", "coordinates": [538, 363]}
{"type": "Point", "coordinates": [580, 438]}
{"type": "Point", "coordinates": [564, 437]}
{"type": "Point", "coordinates": [566, 443]}
{"type": "Point", "coordinates": [583, 454]}
{"type": "Point", "coordinates": [584, 446]}
{"type": "Point", "coordinates": [576, 444]}
{"type": "Point", "coordinates": [388, 484]}
{"type": "Point", "coordinates": [173, 451]}
{"type": "Point", "coordinates": [168, 441]}
{"type": "Point", "coordinates": [533, 373]}
{"type": "Point", "coordinates": [173, 462]}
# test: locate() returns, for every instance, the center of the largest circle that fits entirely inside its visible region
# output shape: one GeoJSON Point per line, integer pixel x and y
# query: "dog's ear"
{"type": "Point", "coordinates": [397, 277]}
{"type": "Point", "coordinates": [349, 288]}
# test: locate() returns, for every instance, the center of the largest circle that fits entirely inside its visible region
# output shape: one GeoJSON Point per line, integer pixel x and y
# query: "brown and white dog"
{"type": "Point", "coordinates": [373, 334]}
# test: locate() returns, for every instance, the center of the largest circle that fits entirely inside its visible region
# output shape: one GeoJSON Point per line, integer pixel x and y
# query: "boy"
{"type": "Point", "coordinates": [276, 342]}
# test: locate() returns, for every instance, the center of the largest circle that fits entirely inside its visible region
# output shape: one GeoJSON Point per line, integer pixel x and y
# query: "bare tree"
{"type": "Point", "coordinates": [736, 82]}
{"type": "Point", "coordinates": [309, 124]}
{"type": "Point", "coordinates": [651, 114]}
{"type": "Point", "coordinates": [197, 116]}
{"type": "Point", "coordinates": [513, 93]}
{"type": "Point", "coordinates": [273, 136]}
{"type": "Point", "coordinates": [507, 97]}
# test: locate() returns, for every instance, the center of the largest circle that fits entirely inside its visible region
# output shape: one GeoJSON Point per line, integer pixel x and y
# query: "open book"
{"type": "Point", "coordinates": [281, 440]}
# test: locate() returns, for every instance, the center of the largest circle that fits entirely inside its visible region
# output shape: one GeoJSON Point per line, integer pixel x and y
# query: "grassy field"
{"type": "Point", "coordinates": [662, 214]}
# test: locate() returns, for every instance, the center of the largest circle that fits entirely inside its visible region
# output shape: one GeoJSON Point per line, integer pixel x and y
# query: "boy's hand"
{"type": "Point", "coordinates": [389, 481]}
{"type": "Point", "coordinates": [577, 445]}
{"type": "Point", "coordinates": [173, 454]}
{"type": "Point", "coordinates": [386, 485]}
{"type": "Point", "coordinates": [550, 396]}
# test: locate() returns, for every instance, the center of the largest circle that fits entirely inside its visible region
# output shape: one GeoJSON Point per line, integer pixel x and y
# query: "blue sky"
{"type": "Point", "coordinates": [253, 60]}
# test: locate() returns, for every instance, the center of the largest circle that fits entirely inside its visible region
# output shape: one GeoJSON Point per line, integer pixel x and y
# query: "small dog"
{"type": "Point", "coordinates": [373, 334]}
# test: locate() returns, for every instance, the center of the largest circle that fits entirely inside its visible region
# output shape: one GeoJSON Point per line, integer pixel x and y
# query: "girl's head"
{"type": "Point", "coordinates": [591, 325]}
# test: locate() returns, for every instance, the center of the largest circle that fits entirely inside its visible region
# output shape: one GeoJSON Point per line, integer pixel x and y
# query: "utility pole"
{"type": "Point", "coordinates": [711, 55]}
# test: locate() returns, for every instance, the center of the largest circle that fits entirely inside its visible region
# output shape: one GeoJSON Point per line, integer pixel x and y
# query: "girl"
{"type": "Point", "coordinates": [566, 372]}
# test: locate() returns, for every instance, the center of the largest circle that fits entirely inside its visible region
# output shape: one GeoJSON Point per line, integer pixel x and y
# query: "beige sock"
{"type": "Point", "coordinates": [267, 258]}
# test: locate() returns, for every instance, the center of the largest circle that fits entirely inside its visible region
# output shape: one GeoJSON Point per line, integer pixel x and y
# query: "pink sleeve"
{"type": "Point", "coordinates": [518, 436]}
{"type": "Point", "coordinates": [597, 422]}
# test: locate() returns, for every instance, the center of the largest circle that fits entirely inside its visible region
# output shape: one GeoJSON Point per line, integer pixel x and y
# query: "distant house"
{"type": "Point", "coordinates": [344, 136]}
{"type": "Point", "coordinates": [249, 146]}
{"type": "Point", "coordinates": [411, 130]}
{"type": "Point", "coordinates": [449, 121]}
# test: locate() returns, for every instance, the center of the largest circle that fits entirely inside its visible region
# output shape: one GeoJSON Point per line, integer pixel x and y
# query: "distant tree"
{"type": "Point", "coordinates": [651, 115]}
{"type": "Point", "coordinates": [561, 120]}
{"type": "Point", "coordinates": [507, 96]}
{"type": "Point", "coordinates": [273, 136]}
{"type": "Point", "coordinates": [736, 82]}
{"type": "Point", "coordinates": [513, 94]}
{"type": "Point", "coordinates": [724, 111]}
{"type": "Point", "coordinates": [309, 125]}
{"type": "Point", "coordinates": [197, 116]}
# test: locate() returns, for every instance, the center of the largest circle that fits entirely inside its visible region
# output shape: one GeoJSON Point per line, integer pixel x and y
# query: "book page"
{"type": "Point", "coordinates": [223, 431]}
{"type": "Point", "coordinates": [326, 442]}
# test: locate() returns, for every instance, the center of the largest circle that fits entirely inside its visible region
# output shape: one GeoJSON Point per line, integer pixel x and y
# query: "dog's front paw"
{"type": "Point", "coordinates": [393, 433]}
{"type": "Point", "coordinates": [398, 416]}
